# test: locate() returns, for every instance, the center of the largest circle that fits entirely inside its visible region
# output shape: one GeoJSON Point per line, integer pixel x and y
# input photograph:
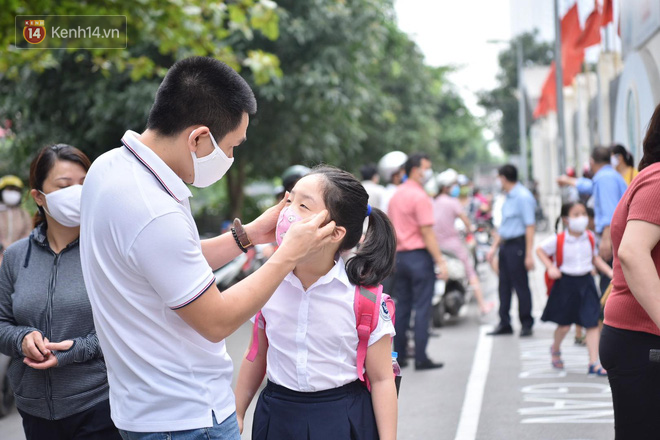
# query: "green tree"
{"type": "Point", "coordinates": [89, 97]}
{"type": "Point", "coordinates": [502, 101]}
{"type": "Point", "coordinates": [354, 87]}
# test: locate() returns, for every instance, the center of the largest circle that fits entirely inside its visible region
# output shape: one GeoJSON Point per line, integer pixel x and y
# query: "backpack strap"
{"type": "Point", "coordinates": [561, 237]}
{"type": "Point", "coordinates": [254, 348]}
{"type": "Point", "coordinates": [592, 240]}
{"type": "Point", "coordinates": [366, 306]}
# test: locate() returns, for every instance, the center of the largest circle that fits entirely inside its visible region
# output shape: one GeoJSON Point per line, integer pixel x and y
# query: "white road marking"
{"type": "Point", "coordinates": [474, 392]}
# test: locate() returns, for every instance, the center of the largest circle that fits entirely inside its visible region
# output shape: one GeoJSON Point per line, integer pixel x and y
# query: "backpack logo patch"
{"type": "Point", "coordinates": [384, 312]}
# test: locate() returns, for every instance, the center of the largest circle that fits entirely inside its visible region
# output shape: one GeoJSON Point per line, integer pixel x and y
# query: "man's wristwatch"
{"type": "Point", "coordinates": [241, 237]}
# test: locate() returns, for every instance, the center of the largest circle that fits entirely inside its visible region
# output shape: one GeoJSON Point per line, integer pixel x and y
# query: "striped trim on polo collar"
{"type": "Point", "coordinates": [170, 182]}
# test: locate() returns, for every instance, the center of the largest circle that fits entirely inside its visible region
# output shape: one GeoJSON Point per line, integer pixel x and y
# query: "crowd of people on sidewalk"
{"type": "Point", "coordinates": [115, 327]}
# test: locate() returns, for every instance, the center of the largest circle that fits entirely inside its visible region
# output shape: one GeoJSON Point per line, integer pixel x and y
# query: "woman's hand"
{"type": "Point", "coordinates": [34, 346]}
{"type": "Point", "coordinates": [59, 346]}
{"type": "Point", "coordinates": [50, 360]}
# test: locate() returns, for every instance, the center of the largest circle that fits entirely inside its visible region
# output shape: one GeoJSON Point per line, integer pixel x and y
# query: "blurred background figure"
{"type": "Point", "coordinates": [568, 192]}
{"type": "Point", "coordinates": [622, 160]}
{"type": "Point", "coordinates": [391, 170]}
{"type": "Point", "coordinates": [289, 178]}
{"type": "Point", "coordinates": [446, 210]}
{"type": "Point", "coordinates": [15, 222]}
{"type": "Point", "coordinates": [370, 181]}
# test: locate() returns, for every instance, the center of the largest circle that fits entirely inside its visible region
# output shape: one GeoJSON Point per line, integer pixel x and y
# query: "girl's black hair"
{"type": "Point", "coordinates": [346, 201]}
{"type": "Point", "coordinates": [623, 152]}
{"type": "Point", "coordinates": [565, 210]}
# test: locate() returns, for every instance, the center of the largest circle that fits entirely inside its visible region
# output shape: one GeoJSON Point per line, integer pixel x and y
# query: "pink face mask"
{"type": "Point", "coordinates": [284, 222]}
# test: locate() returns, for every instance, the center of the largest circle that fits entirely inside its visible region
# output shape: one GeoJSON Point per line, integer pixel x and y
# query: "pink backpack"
{"type": "Point", "coordinates": [367, 311]}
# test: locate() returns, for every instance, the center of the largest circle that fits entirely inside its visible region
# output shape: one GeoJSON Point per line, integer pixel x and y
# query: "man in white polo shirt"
{"type": "Point", "coordinates": [160, 319]}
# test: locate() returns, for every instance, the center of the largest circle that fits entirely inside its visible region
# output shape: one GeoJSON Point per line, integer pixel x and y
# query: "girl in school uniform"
{"type": "Point", "coordinates": [308, 349]}
{"type": "Point", "coordinates": [574, 297]}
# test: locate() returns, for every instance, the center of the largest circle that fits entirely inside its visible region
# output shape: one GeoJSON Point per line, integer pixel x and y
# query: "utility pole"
{"type": "Point", "coordinates": [522, 126]}
{"type": "Point", "coordinates": [561, 131]}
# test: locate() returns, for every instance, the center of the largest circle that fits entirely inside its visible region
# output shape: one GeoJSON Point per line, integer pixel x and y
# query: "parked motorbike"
{"type": "Point", "coordinates": [450, 295]}
{"type": "Point", "coordinates": [240, 267]}
{"type": "Point", "coordinates": [483, 239]}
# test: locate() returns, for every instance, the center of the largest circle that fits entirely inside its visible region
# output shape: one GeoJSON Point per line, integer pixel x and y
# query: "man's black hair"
{"type": "Point", "coordinates": [201, 91]}
{"type": "Point", "coordinates": [509, 172]}
{"type": "Point", "coordinates": [368, 171]}
{"type": "Point", "coordinates": [415, 161]}
{"type": "Point", "coordinates": [601, 155]}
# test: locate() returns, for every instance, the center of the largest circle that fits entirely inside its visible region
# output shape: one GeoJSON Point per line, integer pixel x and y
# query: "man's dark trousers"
{"type": "Point", "coordinates": [413, 288]}
{"type": "Point", "coordinates": [513, 275]}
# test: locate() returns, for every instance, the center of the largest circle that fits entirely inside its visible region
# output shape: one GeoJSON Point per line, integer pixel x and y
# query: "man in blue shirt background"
{"type": "Point", "coordinates": [515, 240]}
{"type": "Point", "coordinates": [608, 188]}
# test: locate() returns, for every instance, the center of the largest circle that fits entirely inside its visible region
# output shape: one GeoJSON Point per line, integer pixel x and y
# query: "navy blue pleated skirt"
{"type": "Point", "coordinates": [573, 300]}
{"type": "Point", "coordinates": [341, 413]}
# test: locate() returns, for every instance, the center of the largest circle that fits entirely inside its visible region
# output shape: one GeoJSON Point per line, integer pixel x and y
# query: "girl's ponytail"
{"type": "Point", "coordinates": [375, 257]}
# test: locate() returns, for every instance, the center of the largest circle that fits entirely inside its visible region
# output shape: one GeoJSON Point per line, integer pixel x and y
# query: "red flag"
{"type": "Point", "coordinates": [572, 57]}
{"type": "Point", "coordinates": [548, 100]}
{"type": "Point", "coordinates": [591, 33]}
{"type": "Point", "coordinates": [608, 13]}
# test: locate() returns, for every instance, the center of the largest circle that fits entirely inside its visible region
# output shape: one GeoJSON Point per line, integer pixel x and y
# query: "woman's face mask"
{"type": "Point", "coordinates": [63, 205]}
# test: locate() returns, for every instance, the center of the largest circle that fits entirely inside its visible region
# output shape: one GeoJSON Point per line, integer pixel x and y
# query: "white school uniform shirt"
{"type": "Point", "coordinates": [141, 260]}
{"type": "Point", "coordinates": [312, 336]}
{"type": "Point", "coordinates": [578, 254]}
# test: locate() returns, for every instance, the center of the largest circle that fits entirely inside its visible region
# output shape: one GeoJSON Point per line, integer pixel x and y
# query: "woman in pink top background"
{"type": "Point", "coordinates": [446, 209]}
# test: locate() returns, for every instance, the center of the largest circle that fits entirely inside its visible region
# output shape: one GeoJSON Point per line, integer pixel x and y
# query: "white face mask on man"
{"type": "Point", "coordinates": [614, 161]}
{"type": "Point", "coordinates": [210, 168]}
{"type": "Point", "coordinates": [64, 205]}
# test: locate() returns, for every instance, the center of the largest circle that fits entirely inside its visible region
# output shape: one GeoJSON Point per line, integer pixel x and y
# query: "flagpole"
{"type": "Point", "coordinates": [561, 131]}
{"type": "Point", "coordinates": [522, 125]}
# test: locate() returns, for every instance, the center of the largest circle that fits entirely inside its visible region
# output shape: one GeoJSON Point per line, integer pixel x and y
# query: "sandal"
{"type": "Point", "coordinates": [597, 369]}
{"type": "Point", "coordinates": [580, 341]}
{"type": "Point", "coordinates": [556, 359]}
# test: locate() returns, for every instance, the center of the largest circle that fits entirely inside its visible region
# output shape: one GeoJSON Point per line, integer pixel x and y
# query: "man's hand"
{"type": "Point", "coordinates": [441, 270]}
{"type": "Point", "coordinates": [564, 180]}
{"type": "Point", "coordinates": [529, 262]}
{"type": "Point", "coordinates": [34, 346]}
{"type": "Point", "coordinates": [240, 423]}
{"type": "Point", "coordinates": [307, 236]}
{"type": "Point", "coordinates": [262, 229]}
{"type": "Point", "coordinates": [554, 273]}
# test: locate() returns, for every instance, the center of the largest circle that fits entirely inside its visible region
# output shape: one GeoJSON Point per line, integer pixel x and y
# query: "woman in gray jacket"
{"type": "Point", "coordinates": [57, 370]}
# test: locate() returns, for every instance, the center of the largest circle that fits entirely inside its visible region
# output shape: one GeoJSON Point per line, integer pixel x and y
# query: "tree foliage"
{"type": "Point", "coordinates": [336, 82]}
{"type": "Point", "coordinates": [502, 101]}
